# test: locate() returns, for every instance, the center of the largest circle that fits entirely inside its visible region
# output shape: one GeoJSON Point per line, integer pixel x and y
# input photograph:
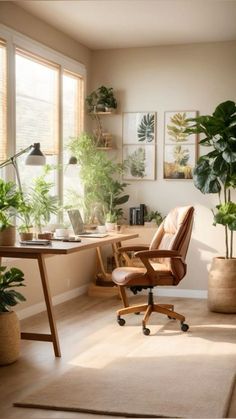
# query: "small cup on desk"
{"type": "Point", "coordinates": [61, 233]}
{"type": "Point", "coordinates": [101, 229]}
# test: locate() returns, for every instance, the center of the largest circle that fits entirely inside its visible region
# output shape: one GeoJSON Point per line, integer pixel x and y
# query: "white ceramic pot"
{"type": "Point", "coordinates": [110, 226]}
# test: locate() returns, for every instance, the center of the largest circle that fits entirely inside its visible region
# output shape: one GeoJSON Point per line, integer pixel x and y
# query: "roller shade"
{"type": "Point", "coordinates": [37, 102]}
{"type": "Point", "coordinates": [3, 102]}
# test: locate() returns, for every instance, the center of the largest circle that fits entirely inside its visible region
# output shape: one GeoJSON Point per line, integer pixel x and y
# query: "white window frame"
{"type": "Point", "coordinates": [15, 39]}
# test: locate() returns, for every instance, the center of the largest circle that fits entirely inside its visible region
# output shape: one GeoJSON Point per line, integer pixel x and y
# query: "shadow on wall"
{"type": "Point", "coordinates": [199, 257]}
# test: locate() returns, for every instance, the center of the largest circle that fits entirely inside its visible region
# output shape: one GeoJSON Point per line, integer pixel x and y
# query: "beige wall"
{"type": "Point", "coordinates": [186, 77]}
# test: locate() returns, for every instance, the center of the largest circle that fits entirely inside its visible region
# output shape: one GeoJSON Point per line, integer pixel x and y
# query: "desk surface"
{"type": "Point", "coordinates": [57, 247]}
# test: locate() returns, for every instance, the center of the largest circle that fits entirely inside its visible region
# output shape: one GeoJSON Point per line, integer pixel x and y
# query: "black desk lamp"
{"type": "Point", "coordinates": [34, 158]}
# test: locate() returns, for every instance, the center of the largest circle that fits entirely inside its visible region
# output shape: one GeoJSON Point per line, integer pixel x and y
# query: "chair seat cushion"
{"type": "Point", "coordinates": [138, 276]}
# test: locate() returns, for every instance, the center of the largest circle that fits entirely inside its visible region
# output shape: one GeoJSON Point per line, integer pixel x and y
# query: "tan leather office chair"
{"type": "Point", "coordinates": [163, 265]}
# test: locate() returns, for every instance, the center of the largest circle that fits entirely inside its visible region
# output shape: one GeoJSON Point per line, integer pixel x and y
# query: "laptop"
{"type": "Point", "coordinates": [78, 225]}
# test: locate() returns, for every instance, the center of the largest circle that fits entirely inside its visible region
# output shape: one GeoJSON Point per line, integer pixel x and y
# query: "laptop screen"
{"type": "Point", "coordinates": [76, 221]}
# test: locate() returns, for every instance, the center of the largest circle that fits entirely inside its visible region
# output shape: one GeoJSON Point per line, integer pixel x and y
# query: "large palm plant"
{"type": "Point", "coordinates": [215, 172]}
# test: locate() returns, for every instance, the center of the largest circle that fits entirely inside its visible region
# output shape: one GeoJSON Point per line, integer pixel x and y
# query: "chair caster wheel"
{"type": "Point", "coordinates": [137, 313]}
{"type": "Point", "coordinates": [169, 317]}
{"type": "Point", "coordinates": [120, 321]}
{"type": "Point", "coordinates": [184, 327]}
{"type": "Point", "coordinates": [146, 331]}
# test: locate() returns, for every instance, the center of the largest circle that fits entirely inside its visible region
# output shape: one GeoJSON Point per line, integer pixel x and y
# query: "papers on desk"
{"type": "Point", "coordinates": [38, 242]}
{"type": "Point", "coordinates": [72, 239]}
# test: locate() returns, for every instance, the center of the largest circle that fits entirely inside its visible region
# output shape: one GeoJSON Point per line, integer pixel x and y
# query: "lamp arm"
{"type": "Point", "coordinates": [11, 160]}
{"type": "Point", "coordinates": [14, 163]}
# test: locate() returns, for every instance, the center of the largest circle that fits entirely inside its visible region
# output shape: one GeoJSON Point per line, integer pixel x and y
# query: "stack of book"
{"type": "Point", "coordinates": [136, 215]}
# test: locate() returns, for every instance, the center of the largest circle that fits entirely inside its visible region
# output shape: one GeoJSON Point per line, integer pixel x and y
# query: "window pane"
{"type": "Point", "coordinates": [72, 126]}
{"type": "Point", "coordinates": [3, 102]}
{"type": "Point", "coordinates": [36, 104]}
{"type": "Point", "coordinates": [36, 112]}
{"type": "Point", "coordinates": [71, 106]}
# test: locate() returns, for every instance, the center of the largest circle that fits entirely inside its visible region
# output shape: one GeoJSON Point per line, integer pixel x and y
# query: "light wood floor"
{"type": "Point", "coordinates": [82, 323]}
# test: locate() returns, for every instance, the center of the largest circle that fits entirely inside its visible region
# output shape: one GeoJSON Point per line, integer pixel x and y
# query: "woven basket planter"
{"type": "Point", "coordinates": [9, 337]}
{"type": "Point", "coordinates": [8, 236]}
{"type": "Point", "coordinates": [222, 285]}
{"type": "Point", "coordinates": [26, 236]}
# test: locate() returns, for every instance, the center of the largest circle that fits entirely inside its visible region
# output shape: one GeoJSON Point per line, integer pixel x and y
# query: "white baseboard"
{"type": "Point", "coordinates": [185, 293]}
{"type": "Point", "coordinates": [69, 295]}
{"type": "Point", "coordinates": [58, 299]}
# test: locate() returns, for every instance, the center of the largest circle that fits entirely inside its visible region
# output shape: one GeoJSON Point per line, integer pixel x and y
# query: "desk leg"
{"type": "Point", "coordinates": [115, 247]}
{"type": "Point", "coordinates": [105, 275]}
{"type": "Point", "coordinates": [121, 290]}
{"type": "Point", "coordinates": [48, 301]}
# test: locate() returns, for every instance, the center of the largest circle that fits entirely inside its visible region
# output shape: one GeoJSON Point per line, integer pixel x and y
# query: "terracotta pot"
{"type": "Point", "coordinates": [45, 236]}
{"type": "Point", "coordinates": [222, 285]}
{"type": "Point", "coordinates": [26, 236]}
{"type": "Point", "coordinates": [8, 236]}
{"type": "Point", "coordinates": [9, 338]}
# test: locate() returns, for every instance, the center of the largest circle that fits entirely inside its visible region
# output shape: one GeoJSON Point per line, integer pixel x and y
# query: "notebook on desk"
{"type": "Point", "coordinates": [78, 226]}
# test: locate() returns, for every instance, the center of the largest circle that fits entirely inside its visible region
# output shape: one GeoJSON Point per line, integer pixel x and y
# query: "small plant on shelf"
{"type": "Point", "coordinates": [102, 99]}
{"type": "Point", "coordinates": [154, 216]}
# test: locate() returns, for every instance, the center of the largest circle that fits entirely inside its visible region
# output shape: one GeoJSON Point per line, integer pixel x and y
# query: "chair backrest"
{"type": "Point", "coordinates": [174, 234]}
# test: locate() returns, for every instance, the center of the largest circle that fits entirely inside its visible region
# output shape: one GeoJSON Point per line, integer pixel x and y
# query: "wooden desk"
{"type": "Point", "coordinates": [40, 253]}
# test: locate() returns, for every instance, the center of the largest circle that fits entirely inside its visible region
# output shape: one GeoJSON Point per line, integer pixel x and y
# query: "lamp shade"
{"type": "Point", "coordinates": [73, 160]}
{"type": "Point", "coordinates": [35, 157]}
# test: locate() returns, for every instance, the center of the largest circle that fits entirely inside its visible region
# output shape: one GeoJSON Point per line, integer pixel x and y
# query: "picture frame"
{"type": "Point", "coordinates": [139, 145]}
{"type": "Point", "coordinates": [180, 148]}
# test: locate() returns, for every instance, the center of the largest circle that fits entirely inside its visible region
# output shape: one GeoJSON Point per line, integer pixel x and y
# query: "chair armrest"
{"type": "Point", "coordinates": [124, 249]}
{"type": "Point", "coordinates": [151, 254]}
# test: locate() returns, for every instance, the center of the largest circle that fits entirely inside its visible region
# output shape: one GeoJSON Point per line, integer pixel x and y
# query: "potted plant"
{"type": "Point", "coordinates": [106, 98]}
{"type": "Point", "coordinates": [153, 219]}
{"type": "Point", "coordinates": [102, 99]}
{"type": "Point", "coordinates": [9, 323]}
{"type": "Point", "coordinates": [103, 192]}
{"type": "Point", "coordinates": [25, 216]}
{"type": "Point", "coordinates": [110, 221]}
{"type": "Point", "coordinates": [10, 201]}
{"type": "Point", "coordinates": [43, 203]}
{"type": "Point", "coordinates": [215, 172]}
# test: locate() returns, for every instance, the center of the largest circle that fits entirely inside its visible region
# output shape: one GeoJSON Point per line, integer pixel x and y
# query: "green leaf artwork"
{"type": "Point", "coordinates": [136, 163]}
{"type": "Point", "coordinates": [145, 131]}
{"type": "Point", "coordinates": [176, 131]}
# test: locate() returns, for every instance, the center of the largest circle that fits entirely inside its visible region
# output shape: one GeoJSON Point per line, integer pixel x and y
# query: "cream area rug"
{"type": "Point", "coordinates": [166, 374]}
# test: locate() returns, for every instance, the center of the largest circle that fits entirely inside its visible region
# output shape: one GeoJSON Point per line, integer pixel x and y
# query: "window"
{"type": "Point", "coordinates": [45, 103]}
{"type": "Point", "coordinates": [37, 111]}
{"type": "Point", "coordinates": [3, 101]}
{"type": "Point", "coordinates": [72, 122]}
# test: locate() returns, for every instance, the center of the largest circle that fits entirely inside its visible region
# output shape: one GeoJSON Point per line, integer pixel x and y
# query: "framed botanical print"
{"type": "Point", "coordinates": [139, 145]}
{"type": "Point", "coordinates": [180, 148]}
